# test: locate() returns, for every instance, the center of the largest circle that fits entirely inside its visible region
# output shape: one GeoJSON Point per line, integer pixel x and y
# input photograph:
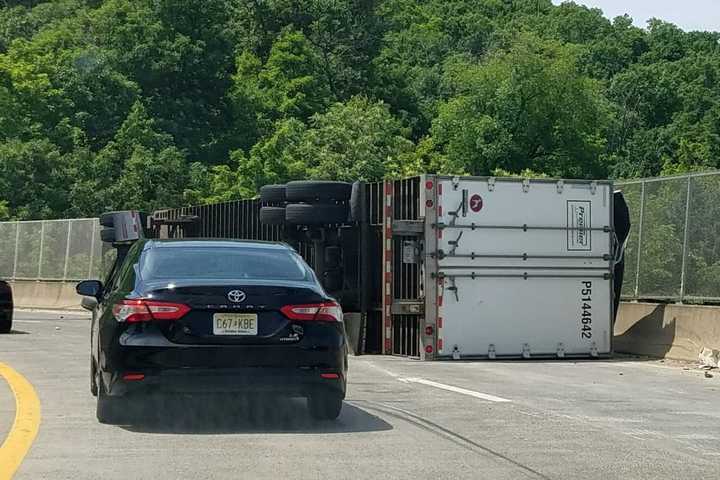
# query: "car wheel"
{"type": "Point", "coordinates": [325, 406]}
{"type": "Point", "coordinates": [319, 214]}
{"type": "Point", "coordinates": [110, 410]}
{"type": "Point", "coordinates": [272, 194]}
{"type": "Point", "coordinates": [317, 190]}
{"type": "Point", "coordinates": [93, 378]}
{"type": "Point", "coordinates": [5, 322]}
{"type": "Point", "coordinates": [272, 215]}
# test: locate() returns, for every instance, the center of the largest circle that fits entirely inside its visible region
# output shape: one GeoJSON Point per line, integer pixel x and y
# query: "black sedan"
{"type": "Point", "coordinates": [214, 316]}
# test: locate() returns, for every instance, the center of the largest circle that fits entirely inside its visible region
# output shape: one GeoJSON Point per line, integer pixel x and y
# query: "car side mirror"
{"type": "Point", "coordinates": [89, 288]}
{"type": "Point", "coordinates": [89, 303]}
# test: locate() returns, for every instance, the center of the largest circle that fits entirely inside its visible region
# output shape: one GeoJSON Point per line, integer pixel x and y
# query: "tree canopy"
{"type": "Point", "coordinates": [110, 104]}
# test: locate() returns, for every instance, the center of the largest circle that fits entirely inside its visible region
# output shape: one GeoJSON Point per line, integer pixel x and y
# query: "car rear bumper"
{"type": "Point", "coordinates": [282, 381]}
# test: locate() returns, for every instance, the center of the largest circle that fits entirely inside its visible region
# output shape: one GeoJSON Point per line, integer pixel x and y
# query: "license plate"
{"type": "Point", "coordinates": [235, 324]}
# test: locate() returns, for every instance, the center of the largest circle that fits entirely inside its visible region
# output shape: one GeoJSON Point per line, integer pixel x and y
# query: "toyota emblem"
{"type": "Point", "coordinates": [236, 296]}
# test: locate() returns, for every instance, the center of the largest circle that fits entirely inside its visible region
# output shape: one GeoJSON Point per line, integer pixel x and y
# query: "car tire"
{"type": "Point", "coordinates": [5, 322]}
{"type": "Point", "coordinates": [110, 410]}
{"type": "Point", "coordinates": [317, 191]}
{"type": "Point", "coordinates": [272, 215]}
{"type": "Point", "coordinates": [325, 406]}
{"type": "Point", "coordinates": [107, 235]}
{"type": "Point", "coordinates": [318, 214]}
{"type": "Point", "coordinates": [93, 378]}
{"type": "Point", "coordinates": [272, 194]}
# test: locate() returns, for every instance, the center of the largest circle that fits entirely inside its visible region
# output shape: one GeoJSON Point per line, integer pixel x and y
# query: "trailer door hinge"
{"type": "Point", "coordinates": [526, 185]}
{"type": "Point", "coordinates": [593, 187]}
{"type": "Point", "coordinates": [526, 350]}
{"type": "Point", "coordinates": [561, 350]}
{"type": "Point", "coordinates": [453, 288]}
{"type": "Point", "coordinates": [560, 186]}
{"type": "Point", "coordinates": [491, 351]}
{"type": "Point", "coordinates": [593, 350]}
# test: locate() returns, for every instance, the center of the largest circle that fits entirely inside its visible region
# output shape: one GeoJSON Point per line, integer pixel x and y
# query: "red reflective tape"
{"type": "Point", "coordinates": [330, 376]}
{"type": "Point", "coordinates": [388, 345]}
{"type": "Point", "coordinates": [439, 343]}
{"type": "Point", "coordinates": [439, 188]}
{"type": "Point", "coordinates": [388, 188]}
{"type": "Point", "coordinates": [388, 211]}
{"type": "Point", "coordinates": [439, 210]}
{"type": "Point", "coordinates": [440, 298]}
{"type": "Point", "coordinates": [439, 322]}
{"type": "Point", "coordinates": [440, 232]}
{"type": "Point", "coordinates": [388, 277]}
{"type": "Point", "coordinates": [388, 234]}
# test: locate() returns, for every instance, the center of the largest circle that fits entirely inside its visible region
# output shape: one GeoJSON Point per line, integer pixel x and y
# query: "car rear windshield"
{"type": "Point", "coordinates": [222, 263]}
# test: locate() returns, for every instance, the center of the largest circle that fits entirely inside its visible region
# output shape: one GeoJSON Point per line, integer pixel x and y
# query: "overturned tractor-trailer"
{"type": "Point", "coordinates": [443, 267]}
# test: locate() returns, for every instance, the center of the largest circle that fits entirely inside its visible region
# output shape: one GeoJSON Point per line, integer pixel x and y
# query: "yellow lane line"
{"type": "Point", "coordinates": [26, 424]}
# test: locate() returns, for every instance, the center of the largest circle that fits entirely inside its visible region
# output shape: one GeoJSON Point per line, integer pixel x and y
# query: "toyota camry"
{"type": "Point", "coordinates": [214, 316]}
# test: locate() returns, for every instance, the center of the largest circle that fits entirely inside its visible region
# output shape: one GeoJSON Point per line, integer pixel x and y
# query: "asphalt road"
{"type": "Point", "coordinates": [403, 419]}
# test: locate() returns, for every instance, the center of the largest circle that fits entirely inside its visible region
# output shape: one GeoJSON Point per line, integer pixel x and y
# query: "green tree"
{"type": "Point", "coordinates": [527, 107]}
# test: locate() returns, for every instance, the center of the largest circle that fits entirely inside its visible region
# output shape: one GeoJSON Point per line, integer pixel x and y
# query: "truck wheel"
{"type": "Point", "coordinates": [317, 191]}
{"type": "Point", "coordinates": [272, 194]}
{"type": "Point", "coordinates": [107, 219]}
{"type": "Point", "coordinates": [5, 322]}
{"type": "Point", "coordinates": [319, 214]}
{"type": "Point", "coordinates": [272, 215]}
{"type": "Point", "coordinates": [324, 406]}
{"type": "Point", "coordinates": [107, 235]}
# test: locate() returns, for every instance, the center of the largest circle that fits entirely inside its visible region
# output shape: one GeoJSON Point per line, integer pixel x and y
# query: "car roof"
{"type": "Point", "coordinates": [214, 242]}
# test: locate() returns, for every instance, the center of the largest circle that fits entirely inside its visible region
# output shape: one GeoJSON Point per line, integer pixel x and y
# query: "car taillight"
{"type": "Point", "coordinates": [133, 311]}
{"type": "Point", "coordinates": [322, 312]}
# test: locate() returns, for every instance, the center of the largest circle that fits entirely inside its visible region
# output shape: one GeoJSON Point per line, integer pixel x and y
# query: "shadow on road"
{"type": "Point", "coordinates": [227, 415]}
{"type": "Point", "coordinates": [19, 332]}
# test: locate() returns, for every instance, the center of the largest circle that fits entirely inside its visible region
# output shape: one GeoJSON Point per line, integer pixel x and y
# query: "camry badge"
{"type": "Point", "coordinates": [236, 296]}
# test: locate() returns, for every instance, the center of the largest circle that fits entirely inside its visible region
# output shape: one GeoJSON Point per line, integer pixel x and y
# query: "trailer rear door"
{"type": "Point", "coordinates": [523, 268]}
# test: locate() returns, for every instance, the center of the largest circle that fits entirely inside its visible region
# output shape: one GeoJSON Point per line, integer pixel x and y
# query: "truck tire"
{"type": "Point", "coordinates": [107, 219]}
{"type": "Point", "coordinates": [272, 215]}
{"type": "Point", "coordinates": [107, 235]}
{"type": "Point", "coordinates": [317, 191]}
{"type": "Point", "coordinates": [318, 214]}
{"type": "Point", "coordinates": [272, 194]}
{"type": "Point", "coordinates": [355, 203]}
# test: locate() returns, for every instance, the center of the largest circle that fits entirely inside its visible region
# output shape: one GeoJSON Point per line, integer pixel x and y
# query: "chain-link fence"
{"type": "Point", "coordinates": [54, 250]}
{"type": "Point", "coordinates": [673, 251]}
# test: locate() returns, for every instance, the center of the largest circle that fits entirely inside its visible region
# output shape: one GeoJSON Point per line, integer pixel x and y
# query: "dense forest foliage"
{"type": "Point", "coordinates": [143, 104]}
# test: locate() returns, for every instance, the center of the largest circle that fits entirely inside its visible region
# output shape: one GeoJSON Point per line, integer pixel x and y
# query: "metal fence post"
{"type": "Point", "coordinates": [67, 250]}
{"type": "Point", "coordinates": [92, 249]}
{"type": "Point", "coordinates": [15, 255]}
{"type": "Point", "coordinates": [42, 247]}
{"type": "Point", "coordinates": [639, 240]}
{"type": "Point", "coordinates": [685, 241]}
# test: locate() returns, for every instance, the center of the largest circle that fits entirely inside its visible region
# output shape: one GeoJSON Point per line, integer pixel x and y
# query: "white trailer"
{"type": "Point", "coordinates": [516, 268]}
